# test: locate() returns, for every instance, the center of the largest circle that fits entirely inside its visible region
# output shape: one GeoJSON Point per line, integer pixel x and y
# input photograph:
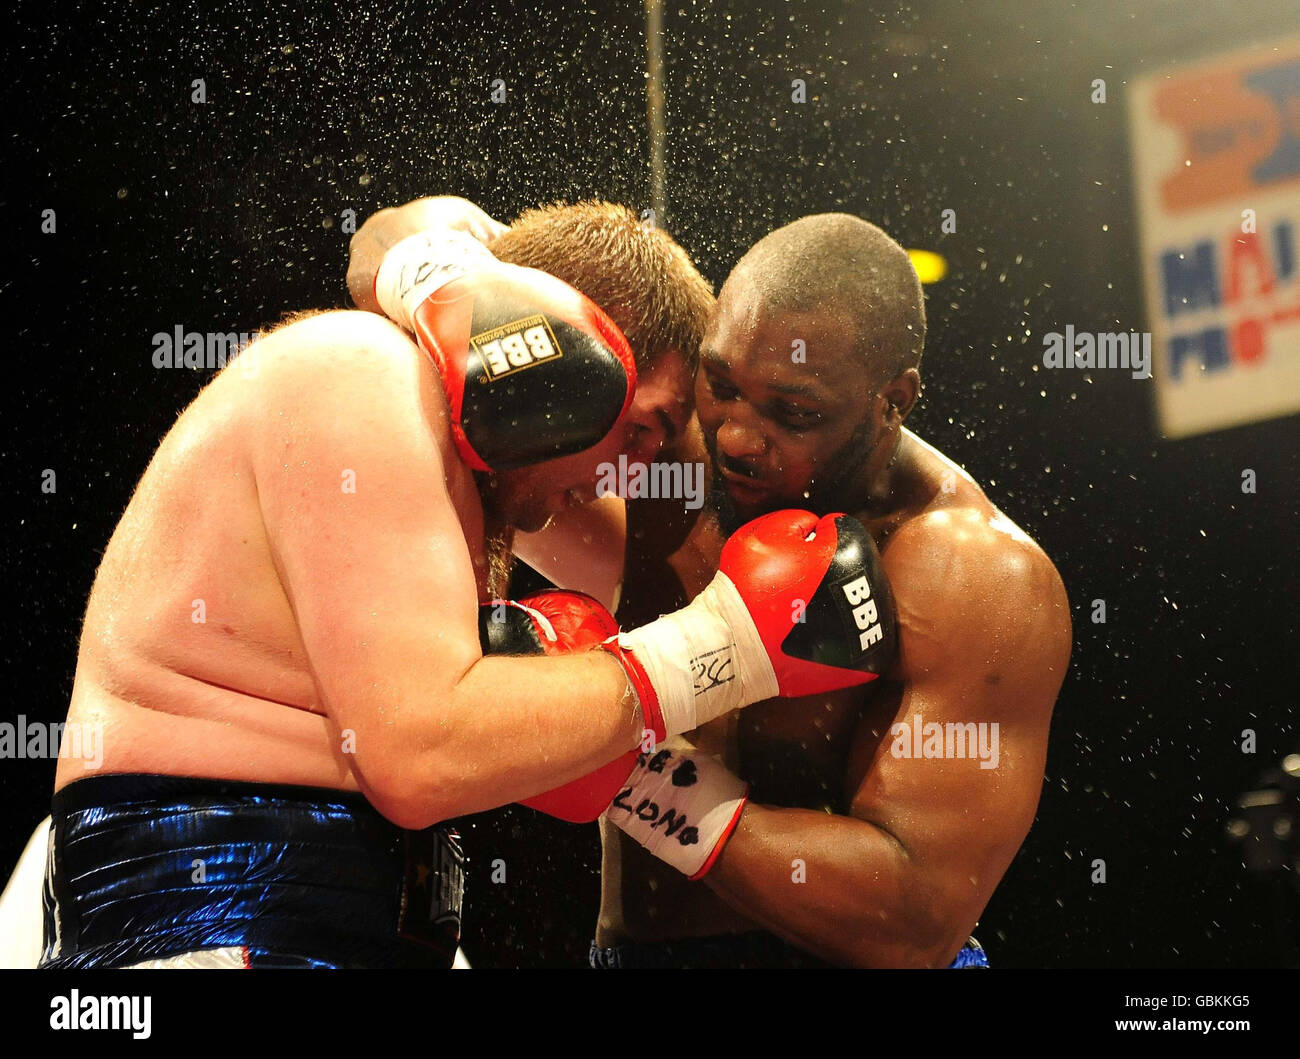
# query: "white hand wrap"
{"type": "Point", "coordinates": [704, 660]}
{"type": "Point", "coordinates": [681, 804]}
{"type": "Point", "coordinates": [420, 264]}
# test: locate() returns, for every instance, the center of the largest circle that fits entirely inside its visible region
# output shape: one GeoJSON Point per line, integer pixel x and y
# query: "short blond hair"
{"type": "Point", "coordinates": [634, 271]}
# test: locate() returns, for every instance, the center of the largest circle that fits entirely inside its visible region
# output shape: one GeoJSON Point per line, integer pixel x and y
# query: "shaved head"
{"type": "Point", "coordinates": [835, 263]}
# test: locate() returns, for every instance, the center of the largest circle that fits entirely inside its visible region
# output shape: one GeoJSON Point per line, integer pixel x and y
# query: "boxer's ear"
{"type": "Point", "coordinates": [900, 395]}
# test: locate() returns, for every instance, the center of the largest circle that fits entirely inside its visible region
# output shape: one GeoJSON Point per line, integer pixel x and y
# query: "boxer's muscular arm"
{"type": "Point", "coordinates": [985, 636]}
{"type": "Point", "coordinates": [382, 585]}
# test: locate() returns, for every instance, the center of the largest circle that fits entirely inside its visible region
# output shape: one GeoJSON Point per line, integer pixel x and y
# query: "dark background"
{"type": "Point", "coordinates": [224, 216]}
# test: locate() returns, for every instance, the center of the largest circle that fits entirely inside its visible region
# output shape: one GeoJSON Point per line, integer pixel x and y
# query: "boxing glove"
{"type": "Point", "coordinates": [558, 622]}
{"type": "Point", "coordinates": [799, 606]}
{"type": "Point", "coordinates": [680, 804]}
{"type": "Point", "coordinates": [532, 368]}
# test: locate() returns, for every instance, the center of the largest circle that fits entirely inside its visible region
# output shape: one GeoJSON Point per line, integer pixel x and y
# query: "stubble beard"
{"type": "Point", "coordinates": [837, 488]}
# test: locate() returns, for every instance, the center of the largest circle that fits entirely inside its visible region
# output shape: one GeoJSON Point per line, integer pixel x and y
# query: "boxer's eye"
{"type": "Point", "coordinates": [720, 390]}
{"type": "Point", "coordinates": [794, 418]}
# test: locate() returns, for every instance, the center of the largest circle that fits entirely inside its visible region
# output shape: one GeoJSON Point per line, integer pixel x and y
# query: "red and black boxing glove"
{"type": "Point", "coordinates": [552, 623]}
{"type": "Point", "coordinates": [800, 605]}
{"type": "Point", "coordinates": [819, 598]}
{"type": "Point", "coordinates": [679, 803]}
{"type": "Point", "coordinates": [532, 368]}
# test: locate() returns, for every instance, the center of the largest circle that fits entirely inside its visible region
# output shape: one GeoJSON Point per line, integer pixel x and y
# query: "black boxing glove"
{"type": "Point", "coordinates": [532, 368]}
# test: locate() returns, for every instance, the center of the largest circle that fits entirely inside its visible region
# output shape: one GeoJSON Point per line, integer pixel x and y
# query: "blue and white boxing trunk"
{"type": "Point", "coordinates": [169, 871]}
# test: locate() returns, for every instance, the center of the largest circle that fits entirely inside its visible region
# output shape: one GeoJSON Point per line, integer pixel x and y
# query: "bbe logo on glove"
{"type": "Point", "coordinates": [850, 620]}
{"type": "Point", "coordinates": [863, 611]}
{"type": "Point", "coordinates": [515, 346]}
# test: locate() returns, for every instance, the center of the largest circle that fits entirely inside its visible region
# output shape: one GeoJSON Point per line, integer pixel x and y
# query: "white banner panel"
{"type": "Point", "coordinates": [1216, 154]}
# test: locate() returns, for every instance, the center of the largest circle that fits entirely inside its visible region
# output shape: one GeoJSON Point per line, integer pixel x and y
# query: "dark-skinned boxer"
{"type": "Point", "coordinates": [282, 641]}
{"type": "Point", "coordinates": [874, 832]}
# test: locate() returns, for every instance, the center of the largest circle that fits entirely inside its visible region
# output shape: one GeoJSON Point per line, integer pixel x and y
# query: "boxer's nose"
{"type": "Point", "coordinates": [740, 440]}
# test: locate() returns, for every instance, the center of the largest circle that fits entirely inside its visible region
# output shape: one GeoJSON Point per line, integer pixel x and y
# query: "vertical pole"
{"type": "Point", "coordinates": [654, 25]}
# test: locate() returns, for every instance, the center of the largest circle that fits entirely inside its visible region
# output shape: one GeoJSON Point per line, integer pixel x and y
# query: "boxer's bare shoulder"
{"type": "Point", "coordinates": [968, 561]}
{"type": "Point", "coordinates": [192, 658]}
{"type": "Point", "coordinates": [320, 365]}
{"type": "Point", "coordinates": [339, 329]}
{"type": "Point", "coordinates": [308, 352]}
{"type": "Point", "coordinates": [956, 561]}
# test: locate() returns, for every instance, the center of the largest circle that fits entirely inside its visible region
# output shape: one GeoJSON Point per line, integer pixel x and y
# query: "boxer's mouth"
{"type": "Point", "coordinates": [743, 487]}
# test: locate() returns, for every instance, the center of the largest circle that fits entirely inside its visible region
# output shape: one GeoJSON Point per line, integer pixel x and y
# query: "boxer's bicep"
{"type": "Point", "coordinates": [368, 546]}
{"type": "Point", "coordinates": [581, 549]}
{"type": "Point", "coordinates": [955, 781]}
{"type": "Point", "coordinates": [954, 770]}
